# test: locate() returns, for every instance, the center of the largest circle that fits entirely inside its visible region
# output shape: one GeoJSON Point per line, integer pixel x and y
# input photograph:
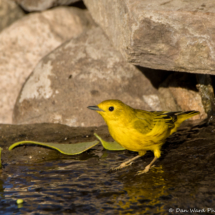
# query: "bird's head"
{"type": "Point", "coordinates": [113, 110]}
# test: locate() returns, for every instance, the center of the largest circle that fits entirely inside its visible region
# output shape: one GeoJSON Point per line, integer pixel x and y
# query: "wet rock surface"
{"type": "Point", "coordinates": [45, 132]}
{"type": "Point", "coordinates": [168, 35]}
{"type": "Point", "coordinates": [183, 178]}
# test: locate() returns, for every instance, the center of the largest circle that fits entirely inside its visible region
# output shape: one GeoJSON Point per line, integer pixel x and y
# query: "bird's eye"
{"type": "Point", "coordinates": [111, 108]}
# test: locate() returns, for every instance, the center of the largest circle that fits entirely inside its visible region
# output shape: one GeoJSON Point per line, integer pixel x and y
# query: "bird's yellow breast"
{"type": "Point", "coordinates": [133, 140]}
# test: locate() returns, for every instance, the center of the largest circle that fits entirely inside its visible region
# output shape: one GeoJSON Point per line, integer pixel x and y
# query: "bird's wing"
{"type": "Point", "coordinates": [169, 117]}
{"type": "Point", "coordinates": [145, 121]}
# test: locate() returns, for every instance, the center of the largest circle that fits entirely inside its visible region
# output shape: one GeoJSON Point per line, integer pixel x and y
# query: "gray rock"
{"type": "Point", "coordinates": [29, 39]}
{"type": "Point", "coordinates": [168, 35]}
{"type": "Point", "coordinates": [40, 5]}
{"type": "Point", "coordinates": [82, 72]}
{"type": "Point", "coordinates": [9, 12]}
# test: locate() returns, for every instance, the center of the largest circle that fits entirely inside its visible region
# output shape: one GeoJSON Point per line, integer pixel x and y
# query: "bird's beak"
{"type": "Point", "coordinates": [96, 108]}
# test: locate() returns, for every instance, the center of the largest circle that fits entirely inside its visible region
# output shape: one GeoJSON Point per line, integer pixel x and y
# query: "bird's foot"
{"type": "Point", "coordinates": [147, 168]}
{"type": "Point", "coordinates": [123, 165]}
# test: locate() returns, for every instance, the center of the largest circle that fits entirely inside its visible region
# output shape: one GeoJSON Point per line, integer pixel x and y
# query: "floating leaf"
{"type": "Point", "coordinates": [67, 149]}
{"type": "Point", "coordinates": [113, 146]}
{"type": "Point", "coordinates": [73, 149]}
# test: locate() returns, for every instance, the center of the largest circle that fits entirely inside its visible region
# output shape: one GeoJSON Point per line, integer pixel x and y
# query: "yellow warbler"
{"type": "Point", "coordinates": [139, 130]}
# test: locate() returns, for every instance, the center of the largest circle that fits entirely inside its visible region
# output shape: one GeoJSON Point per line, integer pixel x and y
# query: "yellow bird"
{"type": "Point", "coordinates": [139, 130]}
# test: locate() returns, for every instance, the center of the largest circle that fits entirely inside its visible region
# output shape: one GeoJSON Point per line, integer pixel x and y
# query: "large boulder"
{"type": "Point", "coordinates": [82, 72]}
{"type": "Point", "coordinates": [168, 35]}
{"type": "Point", "coordinates": [9, 12]}
{"type": "Point", "coordinates": [40, 5]}
{"type": "Point", "coordinates": [29, 39]}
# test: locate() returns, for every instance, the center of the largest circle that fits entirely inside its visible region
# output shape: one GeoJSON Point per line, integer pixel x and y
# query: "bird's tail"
{"type": "Point", "coordinates": [182, 116]}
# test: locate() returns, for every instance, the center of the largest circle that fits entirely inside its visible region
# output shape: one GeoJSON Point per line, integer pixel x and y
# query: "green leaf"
{"type": "Point", "coordinates": [67, 149]}
{"type": "Point", "coordinates": [113, 146]}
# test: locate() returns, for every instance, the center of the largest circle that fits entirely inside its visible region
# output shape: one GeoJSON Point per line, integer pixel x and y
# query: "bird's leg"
{"type": "Point", "coordinates": [126, 163]}
{"type": "Point", "coordinates": [147, 167]}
